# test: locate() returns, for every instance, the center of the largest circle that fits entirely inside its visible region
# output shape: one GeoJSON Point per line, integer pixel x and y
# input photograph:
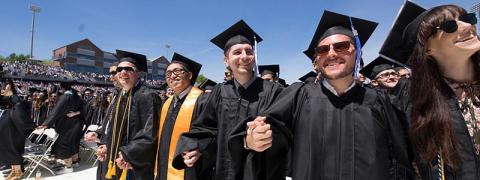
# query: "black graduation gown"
{"type": "Point", "coordinates": [69, 129]}
{"type": "Point", "coordinates": [14, 123]}
{"type": "Point", "coordinates": [39, 115]}
{"type": "Point", "coordinates": [352, 136]}
{"type": "Point", "coordinates": [469, 169]}
{"type": "Point", "coordinates": [143, 113]}
{"type": "Point", "coordinates": [220, 129]}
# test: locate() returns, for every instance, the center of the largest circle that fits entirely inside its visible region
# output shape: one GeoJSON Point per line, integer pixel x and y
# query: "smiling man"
{"type": "Point", "coordinates": [341, 130]}
{"type": "Point", "coordinates": [224, 132]}
{"type": "Point", "coordinates": [382, 74]}
{"type": "Point", "coordinates": [131, 127]}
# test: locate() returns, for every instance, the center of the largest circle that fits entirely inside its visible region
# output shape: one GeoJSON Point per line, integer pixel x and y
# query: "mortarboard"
{"type": "Point", "coordinates": [307, 77]}
{"type": "Point", "coordinates": [239, 33]}
{"type": "Point", "coordinates": [402, 37]}
{"type": "Point", "coordinates": [333, 23]}
{"type": "Point", "coordinates": [377, 66]}
{"type": "Point", "coordinates": [207, 84]}
{"type": "Point", "coordinates": [273, 69]}
{"type": "Point", "coordinates": [191, 65]}
{"type": "Point", "coordinates": [139, 60]}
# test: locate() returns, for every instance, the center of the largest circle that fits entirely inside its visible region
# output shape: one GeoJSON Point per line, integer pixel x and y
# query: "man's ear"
{"type": "Point", "coordinates": [225, 60]}
{"type": "Point", "coordinates": [374, 83]}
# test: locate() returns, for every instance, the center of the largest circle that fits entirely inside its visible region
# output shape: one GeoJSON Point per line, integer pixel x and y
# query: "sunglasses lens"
{"type": "Point", "coordinates": [322, 50]}
{"type": "Point", "coordinates": [469, 18]}
{"type": "Point", "coordinates": [449, 26]}
{"type": "Point", "coordinates": [341, 46]}
{"type": "Point", "coordinates": [128, 69]}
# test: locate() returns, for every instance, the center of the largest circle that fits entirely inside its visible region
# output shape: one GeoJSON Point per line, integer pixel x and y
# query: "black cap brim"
{"type": "Point", "coordinates": [310, 74]}
{"type": "Point", "coordinates": [330, 20]}
{"type": "Point", "coordinates": [191, 65]}
{"type": "Point", "coordinates": [267, 69]}
{"type": "Point", "coordinates": [378, 65]}
{"type": "Point", "coordinates": [207, 84]}
{"type": "Point", "coordinates": [139, 60]}
{"type": "Point", "coordinates": [236, 34]}
{"type": "Point", "coordinates": [398, 44]}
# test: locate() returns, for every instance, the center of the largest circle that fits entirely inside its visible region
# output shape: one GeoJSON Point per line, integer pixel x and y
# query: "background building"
{"type": "Point", "coordinates": [85, 56]}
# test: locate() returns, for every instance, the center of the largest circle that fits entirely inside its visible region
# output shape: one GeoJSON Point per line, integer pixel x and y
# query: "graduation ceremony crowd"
{"type": "Point", "coordinates": [412, 113]}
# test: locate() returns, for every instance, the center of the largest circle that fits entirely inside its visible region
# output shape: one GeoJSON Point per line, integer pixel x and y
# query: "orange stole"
{"type": "Point", "coordinates": [182, 124]}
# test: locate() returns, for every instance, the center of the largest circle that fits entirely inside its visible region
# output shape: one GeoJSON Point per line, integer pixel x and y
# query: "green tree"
{"type": "Point", "coordinates": [200, 79]}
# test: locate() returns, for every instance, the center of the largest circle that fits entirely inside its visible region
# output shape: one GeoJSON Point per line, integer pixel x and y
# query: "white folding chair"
{"type": "Point", "coordinates": [38, 153]}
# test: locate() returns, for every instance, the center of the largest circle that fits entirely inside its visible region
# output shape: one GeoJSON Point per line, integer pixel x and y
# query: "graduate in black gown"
{"type": "Point", "coordinates": [220, 133]}
{"type": "Point", "coordinates": [382, 73]}
{"type": "Point", "coordinates": [341, 130]}
{"type": "Point", "coordinates": [441, 99]}
{"type": "Point", "coordinates": [99, 135]}
{"type": "Point", "coordinates": [176, 116]}
{"type": "Point", "coordinates": [67, 117]}
{"type": "Point", "coordinates": [135, 110]}
{"type": "Point", "coordinates": [14, 124]}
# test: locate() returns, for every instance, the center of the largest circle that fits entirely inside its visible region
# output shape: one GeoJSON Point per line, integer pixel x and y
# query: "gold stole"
{"type": "Point", "coordinates": [182, 124]}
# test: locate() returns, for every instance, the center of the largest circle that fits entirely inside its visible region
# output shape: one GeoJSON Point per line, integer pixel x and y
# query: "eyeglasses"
{"type": "Point", "coordinates": [339, 47]}
{"type": "Point", "coordinates": [175, 71]}
{"type": "Point", "coordinates": [386, 75]}
{"type": "Point", "coordinates": [451, 25]}
{"type": "Point", "coordinates": [112, 73]}
{"type": "Point", "coordinates": [127, 69]}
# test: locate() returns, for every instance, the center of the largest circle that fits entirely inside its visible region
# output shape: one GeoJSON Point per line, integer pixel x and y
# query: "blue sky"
{"type": "Point", "coordinates": [145, 26]}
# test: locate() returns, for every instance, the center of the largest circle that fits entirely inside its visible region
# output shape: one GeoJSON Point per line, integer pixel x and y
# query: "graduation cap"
{"type": "Point", "coordinates": [88, 89]}
{"type": "Point", "coordinates": [308, 77]}
{"type": "Point", "coordinates": [377, 66]}
{"type": "Point", "coordinates": [333, 23]}
{"type": "Point", "coordinates": [282, 82]}
{"type": "Point", "coordinates": [191, 65]}
{"type": "Point", "coordinates": [239, 33]}
{"type": "Point", "coordinates": [139, 60]}
{"type": "Point", "coordinates": [402, 37]}
{"type": "Point", "coordinates": [207, 84]}
{"type": "Point", "coordinates": [273, 69]}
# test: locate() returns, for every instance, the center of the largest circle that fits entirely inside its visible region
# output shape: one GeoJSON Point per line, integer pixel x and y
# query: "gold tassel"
{"type": "Point", "coordinates": [112, 170]}
{"type": "Point", "coordinates": [124, 175]}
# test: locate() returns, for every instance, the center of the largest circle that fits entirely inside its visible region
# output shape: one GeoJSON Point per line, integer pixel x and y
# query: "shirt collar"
{"type": "Point", "coordinates": [183, 93]}
{"type": "Point", "coordinates": [249, 82]}
{"type": "Point", "coordinates": [332, 89]}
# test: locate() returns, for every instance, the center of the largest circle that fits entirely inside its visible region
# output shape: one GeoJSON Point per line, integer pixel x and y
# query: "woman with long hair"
{"type": "Point", "coordinates": [444, 94]}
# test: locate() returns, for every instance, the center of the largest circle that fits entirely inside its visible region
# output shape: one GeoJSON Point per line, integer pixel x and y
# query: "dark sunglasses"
{"type": "Point", "coordinates": [338, 47]}
{"type": "Point", "coordinates": [127, 69]}
{"type": "Point", "coordinates": [451, 25]}
{"type": "Point", "coordinates": [112, 73]}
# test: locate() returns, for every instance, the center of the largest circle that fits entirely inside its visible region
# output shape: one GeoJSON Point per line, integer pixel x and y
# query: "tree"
{"type": "Point", "coordinates": [200, 79]}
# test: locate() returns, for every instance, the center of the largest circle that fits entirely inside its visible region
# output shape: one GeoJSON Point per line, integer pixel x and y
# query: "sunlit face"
{"type": "Point", "coordinates": [336, 65]}
{"type": "Point", "coordinates": [404, 73]}
{"type": "Point", "coordinates": [442, 45]}
{"type": "Point", "coordinates": [240, 59]}
{"type": "Point", "coordinates": [127, 79]}
{"type": "Point", "coordinates": [170, 92]}
{"type": "Point", "coordinates": [268, 77]}
{"type": "Point", "coordinates": [386, 79]}
{"type": "Point", "coordinates": [178, 78]}
{"type": "Point", "coordinates": [113, 75]}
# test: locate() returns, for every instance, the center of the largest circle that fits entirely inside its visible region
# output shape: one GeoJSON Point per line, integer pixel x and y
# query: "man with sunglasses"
{"type": "Point", "coordinates": [341, 130]}
{"type": "Point", "coordinates": [131, 128]}
{"type": "Point", "coordinates": [100, 135]}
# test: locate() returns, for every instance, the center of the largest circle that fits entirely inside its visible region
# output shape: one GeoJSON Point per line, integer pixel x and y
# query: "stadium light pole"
{"type": "Point", "coordinates": [34, 9]}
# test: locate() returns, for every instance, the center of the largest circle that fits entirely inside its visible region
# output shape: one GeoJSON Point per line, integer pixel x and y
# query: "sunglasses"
{"type": "Point", "coordinates": [112, 73]}
{"type": "Point", "coordinates": [127, 69]}
{"type": "Point", "coordinates": [339, 47]}
{"type": "Point", "coordinates": [176, 72]}
{"type": "Point", "coordinates": [451, 25]}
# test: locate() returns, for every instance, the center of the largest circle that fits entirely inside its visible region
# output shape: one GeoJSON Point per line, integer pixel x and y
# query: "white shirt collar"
{"type": "Point", "coordinates": [332, 89]}
{"type": "Point", "coordinates": [183, 93]}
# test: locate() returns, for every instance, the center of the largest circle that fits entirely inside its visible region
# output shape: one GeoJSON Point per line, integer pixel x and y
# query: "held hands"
{"type": "Point", "coordinates": [72, 114]}
{"type": "Point", "coordinates": [101, 153]}
{"type": "Point", "coordinates": [190, 157]}
{"type": "Point", "coordinates": [121, 163]}
{"type": "Point", "coordinates": [259, 135]}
